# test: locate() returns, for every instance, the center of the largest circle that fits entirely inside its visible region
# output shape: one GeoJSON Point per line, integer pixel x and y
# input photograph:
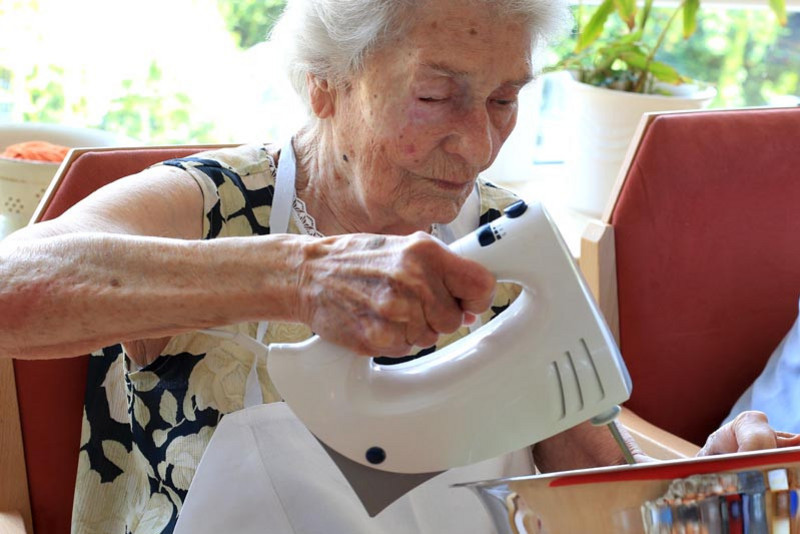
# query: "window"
{"type": "Point", "coordinates": [182, 71]}
{"type": "Point", "coordinates": [193, 71]}
{"type": "Point", "coordinates": [750, 59]}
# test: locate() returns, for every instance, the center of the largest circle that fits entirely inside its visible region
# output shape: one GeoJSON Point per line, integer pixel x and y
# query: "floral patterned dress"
{"type": "Point", "coordinates": [144, 430]}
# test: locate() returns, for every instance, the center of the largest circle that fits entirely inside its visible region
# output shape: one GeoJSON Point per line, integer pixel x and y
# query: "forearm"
{"type": "Point", "coordinates": [70, 294]}
{"type": "Point", "coordinates": [582, 447]}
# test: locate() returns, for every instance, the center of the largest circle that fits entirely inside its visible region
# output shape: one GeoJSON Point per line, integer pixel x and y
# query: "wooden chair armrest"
{"type": "Point", "coordinates": [599, 268]}
{"type": "Point", "coordinates": [656, 442]}
{"type": "Point", "coordinates": [12, 523]}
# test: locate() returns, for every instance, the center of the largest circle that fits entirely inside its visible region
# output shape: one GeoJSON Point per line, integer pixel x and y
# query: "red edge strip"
{"type": "Point", "coordinates": [681, 468]}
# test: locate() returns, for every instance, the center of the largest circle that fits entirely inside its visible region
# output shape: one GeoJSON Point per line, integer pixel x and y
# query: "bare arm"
{"type": "Point", "coordinates": [582, 447]}
{"type": "Point", "coordinates": [128, 265]}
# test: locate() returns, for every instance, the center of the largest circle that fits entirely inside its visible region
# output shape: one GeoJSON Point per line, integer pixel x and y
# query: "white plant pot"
{"type": "Point", "coordinates": [22, 182]}
{"type": "Point", "coordinates": [602, 124]}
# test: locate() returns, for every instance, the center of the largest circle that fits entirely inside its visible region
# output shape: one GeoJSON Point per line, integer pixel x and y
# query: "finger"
{"type": "Point", "coordinates": [383, 338]}
{"type": "Point", "coordinates": [477, 306]}
{"type": "Point", "coordinates": [460, 296]}
{"type": "Point", "coordinates": [471, 283]}
{"type": "Point", "coordinates": [403, 307]}
{"type": "Point", "coordinates": [443, 313]}
{"type": "Point", "coordinates": [362, 341]}
{"type": "Point", "coordinates": [406, 313]}
{"type": "Point", "coordinates": [721, 441]}
{"type": "Point", "coordinates": [425, 266]}
{"type": "Point", "coordinates": [394, 305]}
{"type": "Point", "coordinates": [469, 318]}
{"type": "Point", "coordinates": [418, 332]}
{"type": "Point", "coordinates": [753, 432]}
{"type": "Point", "coordinates": [425, 339]}
{"type": "Point", "coordinates": [787, 439]}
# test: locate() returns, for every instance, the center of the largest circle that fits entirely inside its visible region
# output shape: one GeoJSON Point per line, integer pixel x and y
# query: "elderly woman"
{"type": "Point", "coordinates": [339, 232]}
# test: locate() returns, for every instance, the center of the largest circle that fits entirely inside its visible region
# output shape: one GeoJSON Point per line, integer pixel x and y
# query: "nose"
{"type": "Point", "coordinates": [473, 136]}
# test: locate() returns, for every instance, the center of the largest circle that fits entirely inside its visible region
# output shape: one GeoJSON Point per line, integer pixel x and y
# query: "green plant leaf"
{"type": "Point", "coordinates": [634, 58]}
{"type": "Point", "coordinates": [690, 8]}
{"type": "Point", "coordinates": [661, 71]}
{"type": "Point", "coordinates": [779, 8]}
{"type": "Point", "coordinates": [645, 14]}
{"type": "Point", "coordinates": [595, 26]}
{"type": "Point", "coordinates": [634, 37]}
{"type": "Point", "coordinates": [626, 9]}
{"type": "Point", "coordinates": [665, 73]}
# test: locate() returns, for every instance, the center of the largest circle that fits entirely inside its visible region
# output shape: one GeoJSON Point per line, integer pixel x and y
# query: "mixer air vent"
{"type": "Point", "coordinates": [574, 380]}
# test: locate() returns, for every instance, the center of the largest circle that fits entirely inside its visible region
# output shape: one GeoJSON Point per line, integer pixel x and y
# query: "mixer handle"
{"type": "Point", "coordinates": [492, 245]}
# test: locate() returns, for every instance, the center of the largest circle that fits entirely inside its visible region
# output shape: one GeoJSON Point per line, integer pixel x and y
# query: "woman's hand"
{"type": "Point", "coordinates": [749, 431]}
{"type": "Point", "coordinates": [383, 295]}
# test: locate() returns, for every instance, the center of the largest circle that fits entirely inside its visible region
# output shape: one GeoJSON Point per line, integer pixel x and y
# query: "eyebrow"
{"type": "Point", "coordinates": [445, 70]}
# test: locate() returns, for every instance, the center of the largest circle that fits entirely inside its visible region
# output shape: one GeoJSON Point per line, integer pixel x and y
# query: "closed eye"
{"type": "Point", "coordinates": [431, 99]}
{"type": "Point", "coordinates": [504, 101]}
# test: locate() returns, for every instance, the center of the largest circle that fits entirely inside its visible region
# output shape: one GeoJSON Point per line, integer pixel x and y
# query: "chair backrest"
{"type": "Point", "coordinates": [707, 245]}
{"type": "Point", "coordinates": [51, 393]}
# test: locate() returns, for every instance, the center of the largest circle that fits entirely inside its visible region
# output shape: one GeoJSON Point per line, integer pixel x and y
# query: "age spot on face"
{"type": "Point", "coordinates": [473, 31]}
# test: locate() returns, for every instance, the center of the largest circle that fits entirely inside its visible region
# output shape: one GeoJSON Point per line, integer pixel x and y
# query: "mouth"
{"type": "Point", "coordinates": [446, 185]}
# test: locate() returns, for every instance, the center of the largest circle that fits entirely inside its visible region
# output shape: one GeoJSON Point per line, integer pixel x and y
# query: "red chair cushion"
{"type": "Point", "coordinates": [707, 232]}
{"type": "Point", "coordinates": [51, 393]}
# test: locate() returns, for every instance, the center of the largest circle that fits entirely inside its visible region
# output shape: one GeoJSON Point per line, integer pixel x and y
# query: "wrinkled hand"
{"type": "Point", "coordinates": [383, 295]}
{"type": "Point", "coordinates": [749, 431]}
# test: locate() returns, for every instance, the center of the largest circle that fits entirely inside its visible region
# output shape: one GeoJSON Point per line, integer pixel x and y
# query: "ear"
{"type": "Point", "coordinates": [321, 95]}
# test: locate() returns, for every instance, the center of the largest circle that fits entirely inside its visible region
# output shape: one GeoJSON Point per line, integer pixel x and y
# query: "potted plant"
{"type": "Point", "coordinates": [615, 78]}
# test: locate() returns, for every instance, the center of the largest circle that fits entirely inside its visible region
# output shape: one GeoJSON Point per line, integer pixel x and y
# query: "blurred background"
{"type": "Point", "coordinates": [197, 71]}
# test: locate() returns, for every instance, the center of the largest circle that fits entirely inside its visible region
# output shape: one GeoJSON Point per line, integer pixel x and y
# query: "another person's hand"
{"type": "Point", "coordinates": [749, 431]}
{"type": "Point", "coordinates": [383, 295]}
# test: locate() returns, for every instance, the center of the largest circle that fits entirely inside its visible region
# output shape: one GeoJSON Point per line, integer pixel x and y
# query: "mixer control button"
{"type": "Point", "coordinates": [485, 235]}
{"type": "Point", "coordinates": [376, 455]}
{"type": "Point", "coordinates": [516, 209]}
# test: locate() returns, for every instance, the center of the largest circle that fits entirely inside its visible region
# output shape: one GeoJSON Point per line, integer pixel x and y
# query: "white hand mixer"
{"type": "Point", "coordinates": [544, 365]}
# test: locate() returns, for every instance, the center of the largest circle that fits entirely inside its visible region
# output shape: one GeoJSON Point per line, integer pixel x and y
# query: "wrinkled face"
{"type": "Point", "coordinates": [430, 111]}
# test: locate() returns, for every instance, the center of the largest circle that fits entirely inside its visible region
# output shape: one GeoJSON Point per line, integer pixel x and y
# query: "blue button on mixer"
{"type": "Point", "coordinates": [516, 209]}
{"type": "Point", "coordinates": [486, 235]}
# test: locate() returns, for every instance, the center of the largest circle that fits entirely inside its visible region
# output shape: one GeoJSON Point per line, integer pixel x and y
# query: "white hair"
{"type": "Point", "coordinates": [331, 38]}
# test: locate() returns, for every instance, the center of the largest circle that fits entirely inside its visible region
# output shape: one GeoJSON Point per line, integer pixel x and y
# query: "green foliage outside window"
{"type": "Point", "coordinates": [147, 107]}
{"type": "Point", "coordinates": [750, 59]}
{"type": "Point", "coordinates": [46, 92]}
{"type": "Point", "coordinates": [250, 21]}
{"type": "Point", "coordinates": [145, 111]}
{"type": "Point", "coordinates": [745, 55]}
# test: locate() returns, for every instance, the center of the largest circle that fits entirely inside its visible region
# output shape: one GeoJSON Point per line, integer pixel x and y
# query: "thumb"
{"type": "Point", "coordinates": [787, 439]}
{"type": "Point", "coordinates": [469, 282]}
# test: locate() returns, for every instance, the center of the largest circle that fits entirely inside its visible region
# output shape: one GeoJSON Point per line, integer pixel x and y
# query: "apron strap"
{"type": "Point", "coordinates": [279, 214]}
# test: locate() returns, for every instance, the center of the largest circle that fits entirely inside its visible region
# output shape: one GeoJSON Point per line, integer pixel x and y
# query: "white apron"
{"type": "Point", "coordinates": [264, 472]}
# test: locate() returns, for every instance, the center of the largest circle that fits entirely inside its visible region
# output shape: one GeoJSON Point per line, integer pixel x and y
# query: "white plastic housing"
{"type": "Point", "coordinates": [547, 363]}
